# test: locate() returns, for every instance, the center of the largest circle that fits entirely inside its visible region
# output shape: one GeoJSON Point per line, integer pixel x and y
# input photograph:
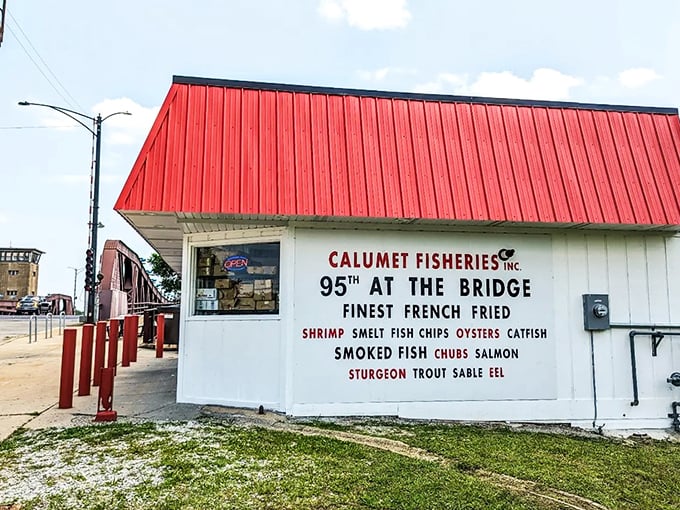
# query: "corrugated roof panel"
{"type": "Point", "coordinates": [427, 198]}
{"type": "Point", "coordinates": [455, 166]}
{"type": "Point", "coordinates": [657, 167]}
{"type": "Point", "coordinates": [537, 172]}
{"type": "Point", "coordinates": [613, 168]}
{"type": "Point", "coordinates": [553, 174]}
{"type": "Point", "coordinates": [193, 156]}
{"type": "Point", "coordinates": [322, 200]}
{"type": "Point", "coordinates": [212, 152]}
{"type": "Point", "coordinates": [356, 173]}
{"type": "Point", "coordinates": [628, 170]}
{"type": "Point", "coordinates": [471, 165]}
{"type": "Point", "coordinates": [268, 199]}
{"type": "Point", "coordinates": [581, 171]}
{"type": "Point", "coordinates": [598, 169]}
{"type": "Point", "coordinates": [338, 157]}
{"type": "Point", "coordinates": [231, 151]}
{"type": "Point", "coordinates": [304, 170]}
{"type": "Point", "coordinates": [371, 149]}
{"type": "Point", "coordinates": [518, 166]}
{"type": "Point", "coordinates": [388, 158]}
{"type": "Point", "coordinates": [286, 153]}
{"type": "Point", "coordinates": [565, 167]}
{"type": "Point", "coordinates": [504, 168]}
{"type": "Point", "coordinates": [250, 147]}
{"type": "Point", "coordinates": [490, 185]}
{"type": "Point", "coordinates": [173, 174]}
{"type": "Point", "coordinates": [273, 150]}
{"type": "Point", "coordinates": [440, 167]}
{"type": "Point", "coordinates": [407, 171]}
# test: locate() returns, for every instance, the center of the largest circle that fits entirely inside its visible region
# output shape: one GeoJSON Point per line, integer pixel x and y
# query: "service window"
{"type": "Point", "coordinates": [237, 279]}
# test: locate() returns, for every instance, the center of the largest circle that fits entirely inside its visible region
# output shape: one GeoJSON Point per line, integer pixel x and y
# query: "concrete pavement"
{"type": "Point", "coordinates": [29, 387]}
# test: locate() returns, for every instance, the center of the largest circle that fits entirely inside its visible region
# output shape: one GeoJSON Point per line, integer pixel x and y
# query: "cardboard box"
{"type": "Point", "coordinates": [263, 295]}
{"type": "Point", "coordinates": [265, 305]}
{"type": "Point", "coordinates": [227, 304]}
{"type": "Point", "coordinates": [226, 294]}
{"type": "Point", "coordinates": [224, 283]}
{"type": "Point", "coordinates": [245, 289]}
{"type": "Point", "coordinates": [263, 284]}
{"type": "Point", "coordinates": [262, 269]}
{"type": "Point", "coordinates": [206, 305]}
{"type": "Point", "coordinates": [206, 294]}
{"type": "Point", "coordinates": [245, 303]}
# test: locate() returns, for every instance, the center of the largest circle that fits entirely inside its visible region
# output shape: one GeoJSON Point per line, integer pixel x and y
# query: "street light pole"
{"type": "Point", "coordinates": [91, 280]}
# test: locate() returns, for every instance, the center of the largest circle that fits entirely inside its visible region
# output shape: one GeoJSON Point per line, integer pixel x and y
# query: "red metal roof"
{"type": "Point", "coordinates": [242, 148]}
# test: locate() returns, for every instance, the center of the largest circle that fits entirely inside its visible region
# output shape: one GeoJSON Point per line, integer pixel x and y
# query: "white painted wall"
{"type": "Point", "coordinates": [636, 270]}
{"type": "Point", "coordinates": [248, 361]}
{"type": "Point", "coordinates": [228, 359]}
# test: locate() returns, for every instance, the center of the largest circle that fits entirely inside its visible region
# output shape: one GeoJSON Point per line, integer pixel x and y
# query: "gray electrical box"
{"type": "Point", "coordinates": [595, 312]}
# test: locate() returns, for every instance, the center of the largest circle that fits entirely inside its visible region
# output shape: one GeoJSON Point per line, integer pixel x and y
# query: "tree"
{"type": "Point", "coordinates": [166, 278]}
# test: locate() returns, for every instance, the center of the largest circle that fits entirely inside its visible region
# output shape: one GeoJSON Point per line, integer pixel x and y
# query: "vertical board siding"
{"type": "Point", "coordinates": [244, 150]}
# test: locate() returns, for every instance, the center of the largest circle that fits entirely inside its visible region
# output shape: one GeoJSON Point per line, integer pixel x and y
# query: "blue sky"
{"type": "Point", "coordinates": [103, 57]}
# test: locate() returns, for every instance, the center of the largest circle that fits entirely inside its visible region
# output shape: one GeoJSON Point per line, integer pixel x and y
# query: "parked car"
{"type": "Point", "coordinates": [28, 305]}
{"type": "Point", "coordinates": [33, 305]}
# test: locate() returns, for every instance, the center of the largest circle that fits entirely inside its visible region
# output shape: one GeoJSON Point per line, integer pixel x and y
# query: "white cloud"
{"type": "Point", "coordinates": [637, 77]}
{"type": "Point", "coordinates": [367, 14]}
{"type": "Point", "coordinates": [382, 73]}
{"type": "Point", "coordinates": [125, 129]}
{"type": "Point", "coordinates": [547, 84]}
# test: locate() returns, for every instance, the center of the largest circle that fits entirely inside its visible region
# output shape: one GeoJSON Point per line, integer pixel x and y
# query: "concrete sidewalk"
{"type": "Point", "coordinates": [29, 387]}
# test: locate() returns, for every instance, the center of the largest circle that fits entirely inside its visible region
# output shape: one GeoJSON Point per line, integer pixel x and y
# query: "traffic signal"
{"type": "Point", "coordinates": [89, 270]}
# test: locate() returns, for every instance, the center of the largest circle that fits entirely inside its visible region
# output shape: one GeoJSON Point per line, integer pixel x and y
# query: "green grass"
{"type": "Point", "coordinates": [621, 474]}
{"type": "Point", "coordinates": [211, 464]}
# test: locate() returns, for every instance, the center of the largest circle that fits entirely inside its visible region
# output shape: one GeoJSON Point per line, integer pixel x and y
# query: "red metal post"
{"type": "Point", "coordinates": [127, 328]}
{"type": "Point", "coordinates": [160, 334]}
{"type": "Point", "coordinates": [85, 360]}
{"type": "Point", "coordinates": [114, 333]}
{"type": "Point", "coordinates": [105, 410]}
{"type": "Point", "coordinates": [99, 352]}
{"type": "Point", "coordinates": [134, 338]}
{"type": "Point", "coordinates": [68, 364]}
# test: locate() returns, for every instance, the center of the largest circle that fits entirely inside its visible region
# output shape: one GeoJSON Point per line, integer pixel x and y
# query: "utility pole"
{"type": "Point", "coordinates": [91, 280]}
{"type": "Point", "coordinates": [75, 284]}
{"type": "Point", "coordinates": [2, 19]}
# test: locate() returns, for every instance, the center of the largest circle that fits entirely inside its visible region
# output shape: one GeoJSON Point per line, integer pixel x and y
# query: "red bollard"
{"type": "Point", "coordinates": [105, 410]}
{"type": "Point", "coordinates": [134, 338]}
{"type": "Point", "coordinates": [99, 352]}
{"type": "Point", "coordinates": [85, 360]}
{"type": "Point", "coordinates": [114, 333]}
{"type": "Point", "coordinates": [68, 364]}
{"type": "Point", "coordinates": [126, 340]}
{"type": "Point", "coordinates": [160, 334]}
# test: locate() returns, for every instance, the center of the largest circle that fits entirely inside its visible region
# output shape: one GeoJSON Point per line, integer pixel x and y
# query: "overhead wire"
{"type": "Point", "coordinates": [72, 101]}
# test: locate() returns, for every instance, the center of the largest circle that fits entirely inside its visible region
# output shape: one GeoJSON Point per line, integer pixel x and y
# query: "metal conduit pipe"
{"type": "Point", "coordinates": [675, 416]}
{"type": "Point", "coordinates": [656, 337]}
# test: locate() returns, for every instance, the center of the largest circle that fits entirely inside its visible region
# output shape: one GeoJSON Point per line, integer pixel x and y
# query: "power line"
{"type": "Point", "coordinates": [71, 102]}
{"type": "Point", "coordinates": [37, 127]}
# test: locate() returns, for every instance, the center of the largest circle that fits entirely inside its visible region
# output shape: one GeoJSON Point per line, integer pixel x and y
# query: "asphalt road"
{"type": "Point", "coordinates": [12, 326]}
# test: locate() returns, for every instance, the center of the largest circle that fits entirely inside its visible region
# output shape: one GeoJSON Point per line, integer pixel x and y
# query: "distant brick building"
{"type": "Point", "coordinates": [19, 272]}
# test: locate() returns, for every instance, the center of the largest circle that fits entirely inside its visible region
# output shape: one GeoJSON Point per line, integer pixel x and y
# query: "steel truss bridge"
{"type": "Point", "coordinates": [126, 287]}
